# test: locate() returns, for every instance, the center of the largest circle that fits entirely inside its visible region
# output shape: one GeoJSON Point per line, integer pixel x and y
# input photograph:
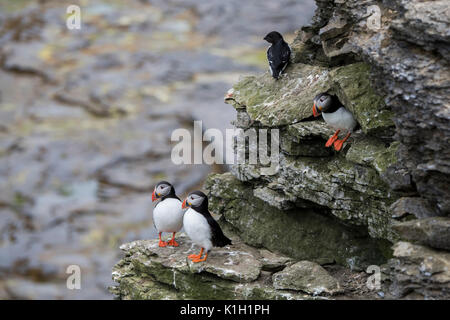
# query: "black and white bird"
{"type": "Point", "coordinates": [167, 214]}
{"type": "Point", "coordinates": [200, 226]}
{"type": "Point", "coordinates": [278, 53]}
{"type": "Point", "coordinates": [336, 116]}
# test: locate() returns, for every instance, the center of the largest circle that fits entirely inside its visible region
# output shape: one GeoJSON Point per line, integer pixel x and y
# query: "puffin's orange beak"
{"type": "Point", "coordinates": [183, 205]}
{"type": "Point", "coordinates": [154, 196]}
{"type": "Point", "coordinates": [315, 113]}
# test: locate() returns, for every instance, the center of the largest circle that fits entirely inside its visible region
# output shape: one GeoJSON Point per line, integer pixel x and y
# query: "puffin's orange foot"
{"type": "Point", "coordinates": [162, 243]}
{"type": "Point", "coordinates": [200, 259]}
{"type": "Point", "coordinates": [173, 243]}
{"type": "Point", "coordinates": [338, 145]}
{"type": "Point", "coordinates": [330, 141]}
{"type": "Point", "coordinates": [194, 256]}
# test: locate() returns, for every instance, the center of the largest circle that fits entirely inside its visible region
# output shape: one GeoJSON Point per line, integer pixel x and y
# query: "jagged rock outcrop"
{"type": "Point", "coordinates": [238, 271]}
{"type": "Point", "coordinates": [235, 272]}
{"type": "Point", "coordinates": [419, 272]}
{"type": "Point", "coordinates": [304, 234]}
{"type": "Point", "coordinates": [388, 64]}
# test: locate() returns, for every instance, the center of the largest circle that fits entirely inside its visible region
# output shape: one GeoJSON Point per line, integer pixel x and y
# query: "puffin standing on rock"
{"type": "Point", "coordinates": [200, 226]}
{"type": "Point", "coordinates": [336, 116]}
{"type": "Point", "coordinates": [278, 53]}
{"type": "Point", "coordinates": [167, 214]}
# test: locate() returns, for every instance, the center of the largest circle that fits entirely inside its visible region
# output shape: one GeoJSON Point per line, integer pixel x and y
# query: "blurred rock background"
{"type": "Point", "coordinates": [86, 117]}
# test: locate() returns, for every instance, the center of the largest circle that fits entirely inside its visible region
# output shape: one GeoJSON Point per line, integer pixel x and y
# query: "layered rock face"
{"type": "Point", "coordinates": [387, 63]}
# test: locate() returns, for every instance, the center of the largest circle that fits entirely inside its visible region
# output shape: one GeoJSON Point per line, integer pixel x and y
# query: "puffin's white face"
{"type": "Point", "coordinates": [162, 189]}
{"type": "Point", "coordinates": [195, 200]}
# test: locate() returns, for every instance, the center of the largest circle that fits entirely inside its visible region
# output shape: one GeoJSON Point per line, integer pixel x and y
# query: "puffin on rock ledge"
{"type": "Point", "coordinates": [200, 226]}
{"type": "Point", "coordinates": [167, 214]}
{"type": "Point", "coordinates": [336, 116]}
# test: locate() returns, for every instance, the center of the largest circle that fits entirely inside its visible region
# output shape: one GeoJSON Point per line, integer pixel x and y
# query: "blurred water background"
{"type": "Point", "coordinates": [86, 117]}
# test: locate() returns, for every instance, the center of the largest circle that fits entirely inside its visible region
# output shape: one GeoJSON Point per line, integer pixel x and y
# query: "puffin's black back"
{"type": "Point", "coordinates": [335, 105]}
{"type": "Point", "coordinates": [217, 237]}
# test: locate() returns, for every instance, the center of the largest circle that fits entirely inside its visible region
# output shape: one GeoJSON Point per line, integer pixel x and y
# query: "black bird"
{"type": "Point", "coordinates": [278, 53]}
{"type": "Point", "coordinates": [200, 226]}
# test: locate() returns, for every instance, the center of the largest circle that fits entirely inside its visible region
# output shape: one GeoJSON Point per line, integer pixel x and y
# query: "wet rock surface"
{"type": "Point", "coordinates": [86, 117]}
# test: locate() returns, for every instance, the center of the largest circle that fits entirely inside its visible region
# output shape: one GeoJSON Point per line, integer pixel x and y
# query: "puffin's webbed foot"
{"type": "Point", "coordinates": [339, 143]}
{"type": "Point", "coordinates": [172, 241]}
{"type": "Point", "coordinates": [196, 257]}
{"type": "Point", "coordinates": [200, 259]}
{"type": "Point", "coordinates": [332, 139]}
{"type": "Point", "coordinates": [162, 243]}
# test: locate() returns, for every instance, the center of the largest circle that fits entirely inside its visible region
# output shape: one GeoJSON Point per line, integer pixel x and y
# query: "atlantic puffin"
{"type": "Point", "coordinates": [278, 53]}
{"type": "Point", "coordinates": [200, 226]}
{"type": "Point", "coordinates": [167, 214]}
{"type": "Point", "coordinates": [336, 116]}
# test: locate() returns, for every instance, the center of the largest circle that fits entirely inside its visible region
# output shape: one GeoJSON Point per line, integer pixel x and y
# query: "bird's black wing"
{"type": "Point", "coordinates": [285, 53]}
{"type": "Point", "coordinates": [217, 237]}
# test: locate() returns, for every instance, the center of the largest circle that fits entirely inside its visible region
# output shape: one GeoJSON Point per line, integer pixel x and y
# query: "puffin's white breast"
{"type": "Point", "coordinates": [197, 228]}
{"type": "Point", "coordinates": [168, 215]}
{"type": "Point", "coordinates": [341, 119]}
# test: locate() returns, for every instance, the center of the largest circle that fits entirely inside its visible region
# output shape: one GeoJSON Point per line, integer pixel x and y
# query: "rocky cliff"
{"type": "Point", "coordinates": [383, 200]}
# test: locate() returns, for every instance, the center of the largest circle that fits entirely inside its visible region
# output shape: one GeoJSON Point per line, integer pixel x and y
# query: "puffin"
{"type": "Point", "coordinates": [201, 227]}
{"type": "Point", "coordinates": [336, 116]}
{"type": "Point", "coordinates": [278, 53]}
{"type": "Point", "coordinates": [167, 214]}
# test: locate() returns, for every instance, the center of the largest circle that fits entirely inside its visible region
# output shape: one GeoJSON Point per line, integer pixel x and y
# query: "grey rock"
{"type": "Point", "coordinates": [419, 272]}
{"type": "Point", "coordinates": [295, 232]}
{"type": "Point", "coordinates": [233, 272]}
{"type": "Point", "coordinates": [306, 276]}
{"type": "Point", "coordinates": [434, 231]}
{"type": "Point", "coordinates": [336, 26]}
{"type": "Point", "coordinates": [416, 206]}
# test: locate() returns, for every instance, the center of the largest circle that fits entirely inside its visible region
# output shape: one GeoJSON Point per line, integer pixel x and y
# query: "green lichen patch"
{"type": "Point", "coordinates": [284, 101]}
{"type": "Point", "coordinates": [352, 85]}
